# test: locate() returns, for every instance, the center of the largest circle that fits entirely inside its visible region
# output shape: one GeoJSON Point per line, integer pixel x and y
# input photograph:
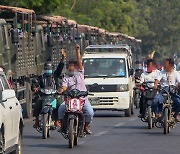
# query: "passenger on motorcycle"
{"type": "Point", "coordinates": [74, 79]}
{"type": "Point", "coordinates": [49, 80]}
{"type": "Point", "coordinates": [166, 78]}
{"type": "Point", "coordinates": [148, 76]}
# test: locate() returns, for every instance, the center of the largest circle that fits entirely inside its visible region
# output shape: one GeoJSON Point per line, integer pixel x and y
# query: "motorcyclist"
{"type": "Point", "coordinates": [148, 76]}
{"type": "Point", "coordinates": [74, 78]}
{"type": "Point", "coordinates": [48, 79]}
{"type": "Point", "coordinates": [138, 71]}
{"type": "Point", "coordinates": [167, 78]}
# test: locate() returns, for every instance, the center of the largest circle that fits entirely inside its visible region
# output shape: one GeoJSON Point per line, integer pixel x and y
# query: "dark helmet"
{"type": "Point", "coordinates": [48, 65]}
{"type": "Point", "coordinates": [48, 68]}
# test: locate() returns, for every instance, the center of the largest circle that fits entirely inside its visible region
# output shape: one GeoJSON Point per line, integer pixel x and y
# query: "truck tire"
{"type": "Point", "coordinates": [27, 107]}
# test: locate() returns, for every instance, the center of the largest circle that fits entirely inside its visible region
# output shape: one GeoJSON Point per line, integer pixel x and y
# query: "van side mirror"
{"type": "Point", "coordinates": [6, 94]}
{"type": "Point", "coordinates": [15, 36]}
{"type": "Point", "coordinates": [131, 72]}
{"type": "Point", "coordinates": [50, 40]}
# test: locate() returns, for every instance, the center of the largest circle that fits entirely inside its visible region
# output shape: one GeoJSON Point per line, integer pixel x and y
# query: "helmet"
{"type": "Point", "coordinates": [48, 68]}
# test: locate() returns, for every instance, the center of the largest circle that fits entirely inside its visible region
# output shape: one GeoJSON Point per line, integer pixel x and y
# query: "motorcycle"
{"type": "Point", "coordinates": [137, 93]}
{"type": "Point", "coordinates": [148, 95]}
{"type": "Point", "coordinates": [49, 103]}
{"type": "Point", "coordinates": [167, 120]}
{"type": "Point", "coordinates": [74, 120]}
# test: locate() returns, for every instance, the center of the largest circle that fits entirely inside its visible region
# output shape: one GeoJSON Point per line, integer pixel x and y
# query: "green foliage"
{"type": "Point", "coordinates": [156, 22]}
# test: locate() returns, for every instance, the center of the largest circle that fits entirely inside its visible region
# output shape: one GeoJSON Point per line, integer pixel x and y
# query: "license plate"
{"type": "Point", "coordinates": [95, 101]}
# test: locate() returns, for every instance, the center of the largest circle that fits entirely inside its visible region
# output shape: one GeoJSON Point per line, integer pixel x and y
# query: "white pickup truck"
{"type": "Point", "coordinates": [11, 120]}
{"type": "Point", "coordinates": [110, 66]}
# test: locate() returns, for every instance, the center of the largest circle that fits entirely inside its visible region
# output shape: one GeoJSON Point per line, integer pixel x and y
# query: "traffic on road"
{"type": "Point", "coordinates": [71, 88]}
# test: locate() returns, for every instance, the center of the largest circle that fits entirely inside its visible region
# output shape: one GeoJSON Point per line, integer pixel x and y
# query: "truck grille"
{"type": "Point", "coordinates": [108, 100]}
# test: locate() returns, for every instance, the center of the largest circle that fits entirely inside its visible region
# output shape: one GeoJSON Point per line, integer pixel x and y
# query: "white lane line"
{"type": "Point", "coordinates": [132, 119]}
{"type": "Point", "coordinates": [119, 124]}
{"type": "Point", "coordinates": [101, 133]}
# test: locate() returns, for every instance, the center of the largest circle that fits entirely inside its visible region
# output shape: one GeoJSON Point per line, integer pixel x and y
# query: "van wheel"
{"type": "Point", "coordinates": [2, 150]}
{"type": "Point", "coordinates": [19, 146]}
{"type": "Point", "coordinates": [128, 111]}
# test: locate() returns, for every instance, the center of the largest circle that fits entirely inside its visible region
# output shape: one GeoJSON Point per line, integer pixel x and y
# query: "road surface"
{"type": "Point", "coordinates": [112, 134]}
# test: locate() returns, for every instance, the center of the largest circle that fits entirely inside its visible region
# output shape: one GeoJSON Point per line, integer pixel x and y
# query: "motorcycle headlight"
{"type": "Point", "coordinates": [122, 87]}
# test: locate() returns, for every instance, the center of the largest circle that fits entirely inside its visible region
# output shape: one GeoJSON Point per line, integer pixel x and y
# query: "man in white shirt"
{"type": "Point", "coordinates": [166, 78]}
{"type": "Point", "coordinates": [148, 76]}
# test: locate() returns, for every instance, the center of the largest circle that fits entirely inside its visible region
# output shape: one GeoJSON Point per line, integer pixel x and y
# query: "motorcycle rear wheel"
{"type": "Point", "coordinates": [71, 133]}
{"type": "Point", "coordinates": [166, 117]}
{"type": "Point", "coordinates": [45, 128]}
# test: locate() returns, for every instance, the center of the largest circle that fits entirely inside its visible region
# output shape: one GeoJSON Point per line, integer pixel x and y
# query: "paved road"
{"type": "Point", "coordinates": [112, 134]}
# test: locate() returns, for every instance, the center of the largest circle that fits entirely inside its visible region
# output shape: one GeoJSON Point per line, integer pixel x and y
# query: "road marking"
{"type": "Point", "coordinates": [101, 133]}
{"type": "Point", "coordinates": [132, 119]}
{"type": "Point", "coordinates": [119, 124]}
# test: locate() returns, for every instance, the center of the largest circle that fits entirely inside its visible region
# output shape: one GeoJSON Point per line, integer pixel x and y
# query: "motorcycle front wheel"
{"type": "Point", "coordinates": [150, 123]}
{"type": "Point", "coordinates": [45, 128]}
{"type": "Point", "coordinates": [71, 133]}
{"type": "Point", "coordinates": [166, 117]}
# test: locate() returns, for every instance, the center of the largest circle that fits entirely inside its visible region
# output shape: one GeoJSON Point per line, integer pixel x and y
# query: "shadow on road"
{"type": "Point", "coordinates": [31, 137]}
{"type": "Point", "coordinates": [131, 127]}
{"type": "Point", "coordinates": [52, 146]}
{"type": "Point", "coordinates": [108, 114]}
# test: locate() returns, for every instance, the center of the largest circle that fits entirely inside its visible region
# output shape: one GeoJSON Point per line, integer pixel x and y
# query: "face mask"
{"type": "Point", "coordinates": [149, 69]}
{"type": "Point", "coordinates": [70, 73]}
{"type": "Point", "coordinates": [48, 72]}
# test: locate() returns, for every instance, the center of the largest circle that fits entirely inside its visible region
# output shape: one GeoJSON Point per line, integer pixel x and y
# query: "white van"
{"type": "Point", "coordinates": [11, 120]}
{"type": "Point", "coordinates": [108, 75]}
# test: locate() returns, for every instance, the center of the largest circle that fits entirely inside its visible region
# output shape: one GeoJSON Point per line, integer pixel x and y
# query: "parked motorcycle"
{"type": "Point", "coordinates": [49, 103]}
{"type": "Point", "coordinates": [148, 95]}
{"type": "Point", "coordinates": [74, 120]}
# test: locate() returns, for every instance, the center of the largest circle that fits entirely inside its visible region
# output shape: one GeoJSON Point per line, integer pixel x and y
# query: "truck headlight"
{"type": "Point", "coordinates": [122, 87]}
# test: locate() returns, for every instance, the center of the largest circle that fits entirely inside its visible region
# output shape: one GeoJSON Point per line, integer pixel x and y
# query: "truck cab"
{"type": "Point", "coordinates": [109, 67]}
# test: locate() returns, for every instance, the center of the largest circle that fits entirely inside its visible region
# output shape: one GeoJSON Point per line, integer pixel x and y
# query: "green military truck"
{"type": "Point", "coordinates": [18, 51]}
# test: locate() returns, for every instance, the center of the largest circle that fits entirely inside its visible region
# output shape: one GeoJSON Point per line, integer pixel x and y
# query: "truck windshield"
{"type": "Point", "coordinates": [104, 67]}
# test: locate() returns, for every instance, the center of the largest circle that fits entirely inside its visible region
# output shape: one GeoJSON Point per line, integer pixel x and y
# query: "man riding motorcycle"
{"type": "Point", "coordinates": [166, 78]}
{"type": "Point", "coordinates": [48, 79]}
{"type": "Point", "coordinates": [74, 79]}
{"type": "Point", "coordinates": [148, 76]}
